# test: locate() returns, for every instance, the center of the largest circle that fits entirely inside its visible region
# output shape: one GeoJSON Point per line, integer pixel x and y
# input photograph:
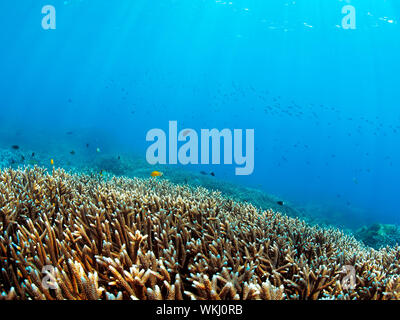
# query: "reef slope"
{"type": "Point", "coordinates": [120, 238]}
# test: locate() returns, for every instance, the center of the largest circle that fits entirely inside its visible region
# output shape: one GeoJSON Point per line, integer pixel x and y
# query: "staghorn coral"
{"type": "Point", "coordinates": [122, 238]}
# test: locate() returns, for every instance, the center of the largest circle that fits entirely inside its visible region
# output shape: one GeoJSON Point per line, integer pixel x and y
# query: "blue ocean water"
{"type": "Point", "coordinates": [323, 100]}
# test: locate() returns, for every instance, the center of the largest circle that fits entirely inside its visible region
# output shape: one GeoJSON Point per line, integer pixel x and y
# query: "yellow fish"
{"type": "Point", "coordinates": [52, 162]}
{"type": "Point", "coordinates": [156, 174]}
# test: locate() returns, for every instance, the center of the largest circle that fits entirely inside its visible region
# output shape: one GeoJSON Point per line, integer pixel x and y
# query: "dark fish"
{"type": "Point", "coordinates": [33, 154]}
{"type": "Point", "coordinates": [22, 158]}
{"type": "Point", "coordinates": [119, 157]}
{"type": "Point", "coordinates": [213, 174]}
{"type": "Point", "coordinates": [280, 203]}
{"type": "Point", "coordinates": [72, 152]}
{"type": "Point", "coordinates": [69, 133]}
{"type": "Point", "coordinates": [87, 145]}
{"type": "Point", "coordinates": [15, 147]}
{"type": "Point", "coordinates": [203, 172]}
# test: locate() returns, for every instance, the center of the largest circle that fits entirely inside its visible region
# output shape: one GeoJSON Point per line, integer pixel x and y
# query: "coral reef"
{"type": "Point", "coordinates": [120, 238]}
{"type": "Point", "coordinates": [134, 165]}
{"type": "Point", "coordinates": [9, 158]}
{"type": "Point", "coordinates": [379, 235]}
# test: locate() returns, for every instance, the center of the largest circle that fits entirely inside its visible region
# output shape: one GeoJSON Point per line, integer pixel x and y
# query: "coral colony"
{"type": "Point", "coordinates": [66, 236]}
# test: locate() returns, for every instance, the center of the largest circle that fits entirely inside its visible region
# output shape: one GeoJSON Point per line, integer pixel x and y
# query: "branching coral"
{"type": "Point", "coordinates": [149, 239]}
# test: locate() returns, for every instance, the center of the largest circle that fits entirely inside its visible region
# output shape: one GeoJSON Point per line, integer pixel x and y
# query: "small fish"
{"type": "Point", "coordinates": [205, 173]}
{"type": "Point", "coordinates": [69, 133]}
{"type": "Point", "coordinates": [98, 150]}
{"type": "Point", "coordinates": [52, 162]}
{"type": "Point", "coordinates": [280, 203]}
{"type": "Point", "coordinates": [156, 174]}
{"type": "Point", "coordinates": [33, 154]}
{"type": "Point", "coordinates": [87, 145]}
{"type": "Point", "coordinates": [22, 158]}
{"type": "Point", "coordinates": [15, 147]}
{"type": "Point", "coordinates": [72, 152]}
{"type": "Point", "coordinates": [119, 157]}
